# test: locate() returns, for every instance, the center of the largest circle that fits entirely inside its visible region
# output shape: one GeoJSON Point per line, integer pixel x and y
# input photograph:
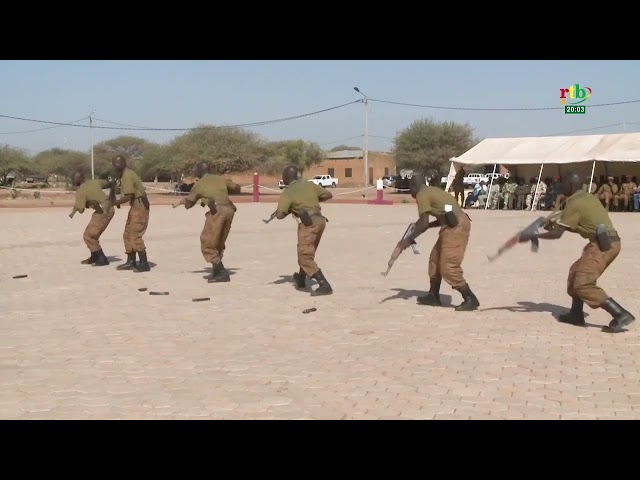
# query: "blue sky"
{"type": "Point", "coordinates": [182, 94]}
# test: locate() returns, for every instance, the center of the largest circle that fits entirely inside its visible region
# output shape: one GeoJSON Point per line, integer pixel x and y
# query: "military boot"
{"type": "Point", "coordinates": [101, 259]}
{"type": "Point", "coordinates": [89, 260]}
{"type": "Point", "coordinates": [433, 297]}
{"type": "Point", "coordinates": [621, 317]}
{"type": "Point", "coordinates": [470, 301]}
{"type": "Point", "coordinates": [219, 274]}
{"type": "Point", "coordinates": [300, 279]}
{"type": "Point", "coordinates": [131, 262]}
{"type": "Point", "coordinates": [575, 316]}
{"type": "Point", "coordinates": [324, 288]}
{"type": "Point", "coordinates": [143, 265]}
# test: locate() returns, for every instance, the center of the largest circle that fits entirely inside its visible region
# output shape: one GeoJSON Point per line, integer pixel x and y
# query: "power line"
{"type": "Point", "coordinates": [585, 130]}
{"type": "Point", "coordinates": [469, 109]}
{"type": "Point", "coordinates": [243, 125]}
{"type": "Point", "coordinates": [45, 128]}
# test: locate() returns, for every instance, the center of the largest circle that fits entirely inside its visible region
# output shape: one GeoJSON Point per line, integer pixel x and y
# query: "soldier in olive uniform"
{"type": "Point", "coordinates": [583, 214]}
{"type": "Point", "coordinates": [133, 193]}
{"type": "Point", "coordinates": [302, 199]}
{"type": "Point", "coordinates": [627, 189]}
{"type": "Point", "coordinates": [89, 194]}
{"type": "Point", "coordinates": [521, 193]}
{"type": "Point", "coordinates": [607, 192]}
{"type": "Point", "coordinates": [508, 194]}
{"type": "Point", "coordinates": [215, 190]}
{"type": "Point", "coordinates": [448, 252]}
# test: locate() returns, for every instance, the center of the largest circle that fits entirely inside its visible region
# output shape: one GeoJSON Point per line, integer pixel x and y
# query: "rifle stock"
{"type": "Point", "coordinates": [273, 215]}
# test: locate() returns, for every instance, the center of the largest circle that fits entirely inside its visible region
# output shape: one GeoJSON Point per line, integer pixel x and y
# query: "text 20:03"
{"type": "Point", "coordinates": [575, 109]}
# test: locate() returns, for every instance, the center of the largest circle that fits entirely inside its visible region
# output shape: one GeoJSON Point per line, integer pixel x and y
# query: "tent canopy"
{"type": "Point", "coordinates": [617, 154]}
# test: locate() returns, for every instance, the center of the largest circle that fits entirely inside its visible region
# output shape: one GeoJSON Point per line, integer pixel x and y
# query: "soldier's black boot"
{"type": "Point", "coordinates": [219, 274]}
{"type": "Point", "coordinates": [621, 317]}
{"type": "Point", "coordinates": [131, 262]}
{"type": "Point", "coordinates": [433, 297]}
{"type": "Point", "coordinates": [324, 288]}
{"type": "Point", "coordinates": [89, 260]}
{"type": "Point", "coordinates": [143, 265]}
{"type": "Point", "coordinates": [101, 259]}
{"type": "Point", "coordinates": [300, 279]}
{"type": "Point", "coordinates": [575, 316]}
{"type": "Point", "coordinates": [469, 300]}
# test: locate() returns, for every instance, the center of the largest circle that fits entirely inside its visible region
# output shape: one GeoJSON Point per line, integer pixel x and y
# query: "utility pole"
{"type": "Point", "coordinates": [91, 133]}
{"type": "Point", "coordinates": [366, 140]}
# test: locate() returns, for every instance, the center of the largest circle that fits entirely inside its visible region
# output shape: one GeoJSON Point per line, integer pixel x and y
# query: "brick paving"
{"type": "Point", "coordinates": [81, 342]}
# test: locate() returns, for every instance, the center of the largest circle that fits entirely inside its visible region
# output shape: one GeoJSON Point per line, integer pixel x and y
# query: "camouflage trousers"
{"type": "Point", "coordinates": [448, 252]}
{"type": "Point", "coordinates": [96, 227]}
{"type": "Point", "coordinates": [215, 232]}
{"type": "Point", "coordinates": [135, 228]}
{"type": "Point", "coordinates": [308, 241]}
{"type": "Point", "coordinates": [585, 272]}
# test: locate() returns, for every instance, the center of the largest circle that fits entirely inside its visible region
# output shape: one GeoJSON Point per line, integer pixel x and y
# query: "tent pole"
{"type": "Point", "coordinates": [593, 170]}
{"type": "Point", "coordinates": [486, 205]}
{"type": "Point", "coordinates": [535, 195]}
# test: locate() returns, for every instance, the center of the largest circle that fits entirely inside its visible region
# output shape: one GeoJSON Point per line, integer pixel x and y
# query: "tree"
{"type": "Point", "coordinates": [344, 147]}
{"type": "Point", "coordinates": [227, 150]}
{"type": "Point", "coordinates": [156, 162]}
{"type": "Point", "coordinates": [132, 148]}
{"type": "Point", "coordinates": [12, 160]}
{"type": "Point", "coordinates": [62, 162]}
{"type": "Point", "coordinates": [429, 145]}
{"type": "Point", "coordinates": [299, 153]}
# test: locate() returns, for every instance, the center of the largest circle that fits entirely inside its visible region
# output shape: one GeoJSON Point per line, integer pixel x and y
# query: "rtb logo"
{"type": "Point", "coordinates": [575, 92]}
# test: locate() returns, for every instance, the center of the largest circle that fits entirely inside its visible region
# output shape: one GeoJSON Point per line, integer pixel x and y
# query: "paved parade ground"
{"type": "Point", "coordinates": [81, 342]}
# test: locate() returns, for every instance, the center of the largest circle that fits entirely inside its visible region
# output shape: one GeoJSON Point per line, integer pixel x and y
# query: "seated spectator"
{"type": "Point", "coordinates": [636, 200]}
{"type": "Point", "coordinates": [607, 191]}
{"type": "Point", "coordinates": [625, 194]}
{"type": "Point", "coordinates": [473, 196]}
{"type": "Point", "coordinates": [546, 200]}
{"type": "Point", "coordinates": [533, 198]}
{"type": "Point", "coordinates": [554, 190]}
{"type": "Point", "coordinates": [509, 194]}
{"type": "Point", "coordinates": [521, 193]}
{"type": "Point", "coordinates": [494, 195]}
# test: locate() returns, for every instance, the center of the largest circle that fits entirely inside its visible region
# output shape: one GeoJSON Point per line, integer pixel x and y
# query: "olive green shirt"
{"type": "Point", "coordinates": [432, 200]}
{"type": "Point", "coordinates": [582, 213]}
{"type": "Point", "coordinates": [130, 184]}
{"type": "Point", "coordinates": [301, 195]}
{"type": "Point", "coordinates": [90, 191]}
{"type": "Point", "coordinates": [213, 186]}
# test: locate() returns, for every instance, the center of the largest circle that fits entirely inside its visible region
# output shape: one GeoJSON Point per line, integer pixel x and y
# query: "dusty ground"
{"type": "Point", "coordinates": [83, 342]}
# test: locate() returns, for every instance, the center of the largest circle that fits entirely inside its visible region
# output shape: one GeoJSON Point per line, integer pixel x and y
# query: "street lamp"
{"type": "Point", "coordinates": [366, 140]}
{"type": "Point", "coordinates": [91, 134]}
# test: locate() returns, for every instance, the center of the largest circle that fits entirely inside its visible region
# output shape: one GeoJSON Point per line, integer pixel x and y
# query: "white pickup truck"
{"type": "Point", "coordinates": [324, 181]}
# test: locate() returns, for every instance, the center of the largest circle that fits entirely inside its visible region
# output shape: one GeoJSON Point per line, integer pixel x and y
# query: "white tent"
{"type": "Point", "coordinates": [614, 155]}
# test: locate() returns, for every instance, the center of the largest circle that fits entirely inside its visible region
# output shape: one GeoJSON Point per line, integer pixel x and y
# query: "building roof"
{"type": "Point", "coordinates": [343, 154]}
